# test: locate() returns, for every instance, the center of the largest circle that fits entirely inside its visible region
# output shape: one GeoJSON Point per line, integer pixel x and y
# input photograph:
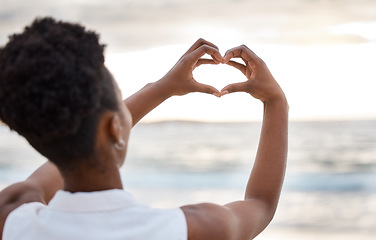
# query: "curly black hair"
{"type": "Point", "coordinates": [54, 87]}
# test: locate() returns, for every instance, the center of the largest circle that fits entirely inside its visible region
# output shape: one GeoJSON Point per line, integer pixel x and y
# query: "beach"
{"type": "Point", "coordinates": [198, 148]}
{"type": "Point", "coordinates": [328, 194]}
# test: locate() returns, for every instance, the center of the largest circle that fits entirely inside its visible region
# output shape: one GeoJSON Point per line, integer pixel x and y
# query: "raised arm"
{"type": "Point", "coordinates": [41, 186]}
{"type": "Point", "coordinates": [178, 81]}
{"type": "Point", "coordinates": [246, 219]}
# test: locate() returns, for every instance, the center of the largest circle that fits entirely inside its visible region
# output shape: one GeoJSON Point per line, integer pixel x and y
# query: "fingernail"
{"type": "Point", "coordinates": [217, 94]}
{"type": "Point", "coordinates": [224, 92]}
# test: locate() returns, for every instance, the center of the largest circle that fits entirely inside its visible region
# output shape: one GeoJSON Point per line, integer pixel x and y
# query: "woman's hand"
{"type": "Point", "coordinates": [260, 82]}
{"type": "Point", "coordinates": [179, 80]}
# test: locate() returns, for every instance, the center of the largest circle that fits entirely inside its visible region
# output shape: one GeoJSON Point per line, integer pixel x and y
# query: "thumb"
{"type": "Point", "coordinates": [234, 87]}
{"type": "Point", "coordinates": [203, 88]}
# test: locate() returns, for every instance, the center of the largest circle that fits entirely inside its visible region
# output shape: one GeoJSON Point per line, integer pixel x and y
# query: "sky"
{"type": "Point", "coordinates": [321, 52]}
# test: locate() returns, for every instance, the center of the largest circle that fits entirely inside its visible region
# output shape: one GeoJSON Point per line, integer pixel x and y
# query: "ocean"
{"type": "Point", "coordinates": [329, 190]}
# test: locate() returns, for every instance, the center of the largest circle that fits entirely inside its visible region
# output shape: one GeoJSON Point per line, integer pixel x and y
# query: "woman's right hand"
{"type": "Point", "coordinates": [260, 82]}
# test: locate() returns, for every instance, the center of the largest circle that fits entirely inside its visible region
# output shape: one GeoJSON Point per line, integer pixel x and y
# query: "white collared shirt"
{"type": "Point", "coordinates": [105, 215]}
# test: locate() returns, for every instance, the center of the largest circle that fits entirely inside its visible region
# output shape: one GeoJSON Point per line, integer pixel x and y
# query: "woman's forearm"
{"type": "Point", "coordinates": [145, 100]}
{"type": "Point", "coordinates": [268, 172]}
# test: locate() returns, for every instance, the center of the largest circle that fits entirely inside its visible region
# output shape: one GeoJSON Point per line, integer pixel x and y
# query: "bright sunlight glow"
{"type": "Point", "coordinates": [321, 82]}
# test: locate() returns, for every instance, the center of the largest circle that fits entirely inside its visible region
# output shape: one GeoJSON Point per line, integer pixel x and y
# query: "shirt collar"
{"type": "Point", "coordinates": [91, 201]}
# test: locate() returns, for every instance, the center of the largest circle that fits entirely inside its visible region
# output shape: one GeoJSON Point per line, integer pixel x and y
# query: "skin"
{"type": "Point", "coordinates": [237, 220]}
{"type": "Point", "coordinates": [246, 219]}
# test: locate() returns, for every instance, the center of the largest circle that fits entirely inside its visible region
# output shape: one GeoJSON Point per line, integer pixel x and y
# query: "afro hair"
{"type": "Point", "coordinates": [54, 86]}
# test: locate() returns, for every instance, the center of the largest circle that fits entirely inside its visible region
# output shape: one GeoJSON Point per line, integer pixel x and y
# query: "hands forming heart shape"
{"type": "Point", "coordinates": [259, 81]}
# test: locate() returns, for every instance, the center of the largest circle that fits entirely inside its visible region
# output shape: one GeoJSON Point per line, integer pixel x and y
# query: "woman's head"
{"type": "Point", "coordinates": [54, 88]}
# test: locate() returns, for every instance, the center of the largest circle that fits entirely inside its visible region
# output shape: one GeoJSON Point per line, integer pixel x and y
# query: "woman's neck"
{"type": "Point", "coordinates": [89, 178]}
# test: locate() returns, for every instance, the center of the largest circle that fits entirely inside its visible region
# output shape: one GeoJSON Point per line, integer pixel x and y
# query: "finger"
{"type": "Point", "coordinates": [238, 66]}
{"type": "Point", "coordinates": [199, 43]}
{"type": "Point", "coordinates": [205, 61]}
{"type": "Point", "coordinates": [238, 52]}
{"type": "Point", "coordinates": [242, 52]}
{"type": "Point", "coordinates": [234, 87]}
{"type": "Point", "coordinates": [206, 49]}
{"type": "Point", "coordinates": [203, 88]}
{"type": "Point", "coordinates": [247, 69]}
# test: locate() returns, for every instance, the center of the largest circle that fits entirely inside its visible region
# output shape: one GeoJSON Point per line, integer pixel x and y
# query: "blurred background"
{"type": "Point", "coordinates": [199, 148]}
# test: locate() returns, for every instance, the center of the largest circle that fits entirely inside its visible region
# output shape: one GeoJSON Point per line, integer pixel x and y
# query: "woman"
{"type": "Point", "coordinates": [56, 92]}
